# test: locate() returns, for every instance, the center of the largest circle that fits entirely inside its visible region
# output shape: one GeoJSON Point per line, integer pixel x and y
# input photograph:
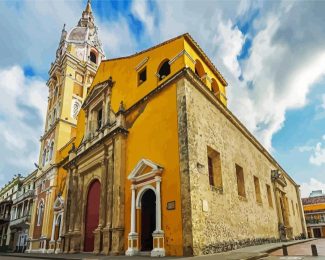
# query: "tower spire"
{"type": "Point", "coordinates": [87, 19]}
{"type": "Point", "coordinates": [88, 7]}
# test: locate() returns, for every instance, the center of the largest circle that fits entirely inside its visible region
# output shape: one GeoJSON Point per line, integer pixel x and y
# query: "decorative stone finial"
{"type": "Point", "coordinates": [121, 109]}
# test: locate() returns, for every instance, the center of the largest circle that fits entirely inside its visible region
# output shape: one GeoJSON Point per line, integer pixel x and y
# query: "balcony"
{"type": "Point", "coordinates": [312, 222]}
{"type": "Point", "coordinates": [5, 217]}
{"type": "Point", "coordinates": [20, 222]}
{"type": "Point", "coordinates": [23, 196]}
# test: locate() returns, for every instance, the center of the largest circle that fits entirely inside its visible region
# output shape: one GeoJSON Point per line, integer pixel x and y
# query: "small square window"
{"type": "Point", "coordinates": [142, 76]}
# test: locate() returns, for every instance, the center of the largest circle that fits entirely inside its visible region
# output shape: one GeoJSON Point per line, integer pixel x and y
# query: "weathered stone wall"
{"type": "Point", "coordinates": [222, 219]}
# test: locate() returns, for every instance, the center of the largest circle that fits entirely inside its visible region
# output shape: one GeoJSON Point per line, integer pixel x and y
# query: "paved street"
{"type": "Point", "coordinates": [254, 252]}
{"type": "Point", "coordinates": [303, 249]}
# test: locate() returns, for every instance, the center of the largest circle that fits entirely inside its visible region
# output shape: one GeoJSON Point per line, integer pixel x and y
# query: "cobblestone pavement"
{"type": "Point", "coordinates": [303, 249]}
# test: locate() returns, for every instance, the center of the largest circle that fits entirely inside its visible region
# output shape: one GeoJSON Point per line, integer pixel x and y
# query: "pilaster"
{"type": "Point", "coordinates": [118, 195]}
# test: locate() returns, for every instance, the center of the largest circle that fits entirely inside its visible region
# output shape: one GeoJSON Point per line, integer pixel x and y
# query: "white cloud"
{"type": "Point", "coordinates": [117, 38]}
{"type": "Point", "coordinates": [140, 9]}
{"type": "Point", "coordinates": [229, 40]}
{"type": "Point", "coordinates": [318, 157]}
{"type": "Point", "coordinates": [22, 111]}
{"type": "Point", "coordinates": [317, 152]}
{"type": "Point", "coordinates": [307, 187]}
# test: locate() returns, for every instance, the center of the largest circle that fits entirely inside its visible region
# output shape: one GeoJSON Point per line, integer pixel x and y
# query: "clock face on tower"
{"type": "Point", "coordinates": [75, 108]}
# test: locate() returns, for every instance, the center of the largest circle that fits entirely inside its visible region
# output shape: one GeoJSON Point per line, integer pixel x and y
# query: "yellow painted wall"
{"type": "Point", "coordinates": [194, 54]}
{"type": "Point", "coordinates": [123, 72]}
{"type": "Point", "coordinates": [156, 138]}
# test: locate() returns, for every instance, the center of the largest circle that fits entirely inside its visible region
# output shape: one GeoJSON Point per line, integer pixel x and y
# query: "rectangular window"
{"type": "Point", "coordinates": [269, 195]}
{"type": "Point", "coordinates": [257, 190]}
{"type": "Point", "coordinates": [99, 118]}
{"type": "Point", "coordinates": [240, 181]}
{"type": "Point", "coordinates": [142, 76]}
{"type": "Point", "coordinates": [214, 167]}
{"type": "Point", "coordinates": [211, 182]}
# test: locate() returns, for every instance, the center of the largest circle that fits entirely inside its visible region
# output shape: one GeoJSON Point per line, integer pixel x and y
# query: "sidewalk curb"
{"type": "Point", "coordinates": [257, 256]}
{"type": "Point", "coordinates": [42, 256]}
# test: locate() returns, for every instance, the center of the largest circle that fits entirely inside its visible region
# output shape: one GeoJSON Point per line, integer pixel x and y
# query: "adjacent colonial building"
{"type": "Point", "coordinates": [7, 195]}
{"type": "Point", "coordinates": [161, 166]}
{"type": "Point", "coordinates": [314, 209]}
{"type": "Point", "coordinates": [21, 211]}
{"type": "Point", "coordinates": [77, 58]}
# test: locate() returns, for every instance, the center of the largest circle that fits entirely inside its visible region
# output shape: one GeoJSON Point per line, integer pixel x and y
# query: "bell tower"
{"type": "Point", "coordinates": [77, 58]}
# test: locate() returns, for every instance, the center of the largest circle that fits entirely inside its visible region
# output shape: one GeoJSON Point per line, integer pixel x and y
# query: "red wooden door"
{"type": "Point", "coordinates": [92, 215]}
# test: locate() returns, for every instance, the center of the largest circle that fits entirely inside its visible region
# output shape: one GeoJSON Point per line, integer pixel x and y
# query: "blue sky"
{"type": "Point", "coordinates": [271, 55]}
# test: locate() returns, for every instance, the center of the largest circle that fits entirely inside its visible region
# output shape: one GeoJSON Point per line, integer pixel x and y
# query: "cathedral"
{"type": "Point", "coordinates": [140, 155]}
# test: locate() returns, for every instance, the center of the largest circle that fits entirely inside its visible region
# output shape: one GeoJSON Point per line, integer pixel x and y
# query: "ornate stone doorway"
{"type": "Point", "coordinates": [92, 215]}
{"type": "Point", "coordinates": [148, 219]}
{"type": "Point", "coordinates": [146, 205]}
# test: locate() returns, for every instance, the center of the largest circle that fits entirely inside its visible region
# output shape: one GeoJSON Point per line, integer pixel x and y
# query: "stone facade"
{"type": "Point", "coordinates": [220, 218]}
{"type": "Point", "coordinates": [100, 157]}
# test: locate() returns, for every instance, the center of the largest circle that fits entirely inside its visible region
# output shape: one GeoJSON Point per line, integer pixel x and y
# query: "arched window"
{"type": "Point", "coordinates": [47, 154]}
{"type": "Point", "coordinates": [44, 157]}
{"type": "Point", "coordinates": [93, 57]}
{"type": "Point", "coordinates": [215, 88]}
{"type": "Point", "coordinates": [51, 151]}
{"type": "Point", "coordinates": [164, 70]}
{"type": "Point", "coordinates": [40, 212]}
{"type": "Point", "coordinates": [199, 70]}
{"type": "Point", "coordinates": [54, 116]}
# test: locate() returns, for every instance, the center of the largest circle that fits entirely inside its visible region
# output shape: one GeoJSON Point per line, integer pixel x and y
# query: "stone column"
{"type": "Point", "coordinates": [52, 241]}
{"type": "Point", "coordinates": [104, 110]}
{"type": "Point", "coordinates": [133, 243]}
{"type": "Point", "coordinates": [102, 208]}
{"type": "Point", "coordinates": [118, 195]}
{"type": "Point", "coordinates": [278, 205]}
{"type": "Point", "coordinates": [58, 242]}
{"type": "Point", "coordinates": [53, 228]}
{"type": "Point", "coordinates": [109, 202]}
{"type": "Point", "coordinates": [27, 209]}
{"type": "Point", "coordinates": [72, 195]}
{"type": "Point", "coordinates": [67, 212]}
{"type": "Point", "coordinates": [133, 215]}
{"type": "Point", "coordinates": [75, 216]}
{"type": "Point", "coordinates": [103, 194]}
{"type": "Point", "coordinates": [76, 203]}
{"type": "Point", "coordinates": [158, 204]}
{"type": "Point", "coordinates": [158, 234]}
{"type": "Point", "coordinates": [301, 213]}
